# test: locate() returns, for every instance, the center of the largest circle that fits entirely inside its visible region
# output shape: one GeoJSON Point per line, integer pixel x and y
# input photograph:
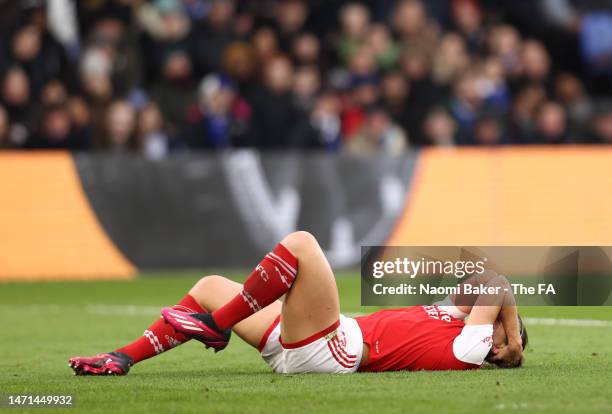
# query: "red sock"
{"type": "Point", "coordinates": [270, 280]}
{"type": "Point", "coordinates": [160, 337]}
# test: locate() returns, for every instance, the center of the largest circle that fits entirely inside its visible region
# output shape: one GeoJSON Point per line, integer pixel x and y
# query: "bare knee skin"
{"type": "Point", "coordinates": [312, 303]}
{"type": "Point", "coordinates": [214, 291]}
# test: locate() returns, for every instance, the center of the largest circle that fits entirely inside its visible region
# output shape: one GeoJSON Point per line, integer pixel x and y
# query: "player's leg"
{"type": "Point", "coordinates": [212, 292]}
{"type": "Point", "coordinates": [313, 308]}
{"type": "Point", "coordinates": [312, 303]}
{"type": "Point", "coordinates": [208, 294]}
{"type": "Point", "coordinates": [156, 339]}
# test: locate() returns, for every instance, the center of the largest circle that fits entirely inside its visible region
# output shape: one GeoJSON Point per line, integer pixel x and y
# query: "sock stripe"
{"type": "Point", "coordinates": [157, 346]}
{"type": "Point", "coordinates": [161, 336]}
{"type": "Point", "coordinates": [271, 279]}
{"type": "Point", "coordinates": [286, 282]}
{"type": "Point", "coordinates": [286, 255]}
{"type": "Point", "coordinates": [257, 307]}
{"type": "Point", "coordinates": [286, 279]}
{"type": "Point", "coordinates": [156, 339]}
{"type": "Point", "coordinates": [283, 263]}
{"type": "Point", "coordinates": [250, 300]}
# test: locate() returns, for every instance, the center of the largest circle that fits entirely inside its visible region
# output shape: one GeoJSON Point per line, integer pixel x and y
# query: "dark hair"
{"type": "Point", "coordinates": [524, 336]}
{"type": "Point", "coordinates": [524, 340]}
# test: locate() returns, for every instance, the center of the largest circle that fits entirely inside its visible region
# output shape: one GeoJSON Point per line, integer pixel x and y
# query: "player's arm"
{"type": "Point", "coordinates": [475, 341]}
{"type": "Point", "coordinates": [460, 305]}
{"type": "Point", "coordinates": [511, 354]}
{"type": "Point", "coordinates": [487, 307]}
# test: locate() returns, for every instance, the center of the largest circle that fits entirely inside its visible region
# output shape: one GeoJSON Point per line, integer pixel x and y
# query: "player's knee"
{"type": "Point", "coordinates": [300, 242]}
{"type": "Point", "coordinates": [207, 284]}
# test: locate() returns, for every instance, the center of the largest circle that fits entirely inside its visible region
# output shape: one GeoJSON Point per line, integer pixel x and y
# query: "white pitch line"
{"type": "Point", "coordinates": [97, 309]}
{"type": "Point", "coordinates": [589, 323]}
{"type": "Point", "coordinates": [129, 310]}
{"type": "Point", "coordinates": [595, 323]}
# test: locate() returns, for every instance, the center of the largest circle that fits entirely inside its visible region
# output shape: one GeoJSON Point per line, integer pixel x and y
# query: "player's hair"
{"type": "Point", "coordinates": [524, 336]}
{"type": "Point", "coordinates": [524, 340]}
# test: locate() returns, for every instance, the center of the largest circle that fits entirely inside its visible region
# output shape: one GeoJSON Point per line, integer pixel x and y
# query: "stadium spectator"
{"type": "Point", "coordinates": [440, 128]}
{"type": "Point", "coordinates": [551, 124]}
{"type": "Point", "coordinates": [535, 64]}
{"type": "Point", "coordinates": [570, 92]}
{"type": "Point", "coordinates": [306, 49]}
{"type": "Point", "coordinates": [95, 73]}
{"type": "Point", "coordinates": [265, 43]}
{"type": "Point", "coordinates": [395, 90]}
{"type": "Point", "coordinates": [602, 127]}
{"type": "Point", "coordinates": [39, 55]}
{"type": "Point", "coordinates": [415, 63]}
{"type": "Point", "coordinates": [385, 50]}
{"type": "Point", "coordinates": [16, 98]}
{"type": "Point", "coordinates": [82, 121]}
{"type": "Point", "coordinates": [212, 35]}
{"type": "Point", "coordinates": [221, 118]}
{"type": "Point", "coordinates": [465, 105]}
{"type": "Point", "coordinates": [488, 131]}
{"type": "Point", "coordinates": [57, 131]}
{"type": "Point", "coordinates": [274, 112]}
{"type": "Point", "coordinates": [152, 136]}
{"type": "Point", "coordinates": [175, 89]}
{"type": "Point", "coordinates": [524, 111]}
{"type": "Point", "coordinates": [494, 86]}
{"type": "Point", "coordinates": [504, 42]}
{"type": "Point", "coordinates": [354, 23]}
{"type": "Point", "coordinates": [290, 17]}
{"type": "Point", "coordinates": [413, 26]}
{"type": "Point", "coordinates": [167, 33]}
{"type": "Point", "coordinates": [241, 63]}
{"type": "Point", "coordinates": [467, 20]}
{"type": "Point", "coordinates": [120, 134]}
{"type": "Point", "coordinates": [306, 85]}
{"type": "Point", "coordinates": [378, 135]}
{"type": "Point", "coordinates": [5, 141]}
{"type": "Point", "coordinates": [450, 59]}
{"type": "Point", "coordinates": [54, 93]}
{"type": "Point", "coordinates": [321, 129]}
{"type": "Point", "coordinates": [581, 32]}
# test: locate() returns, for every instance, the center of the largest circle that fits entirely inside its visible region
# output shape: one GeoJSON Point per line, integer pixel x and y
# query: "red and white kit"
{"type": "Point", "coordinates": [417, 338]}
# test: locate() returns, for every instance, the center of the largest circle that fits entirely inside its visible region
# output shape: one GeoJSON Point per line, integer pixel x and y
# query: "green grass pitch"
{"type": "Point", "coordinates": [568, 368]}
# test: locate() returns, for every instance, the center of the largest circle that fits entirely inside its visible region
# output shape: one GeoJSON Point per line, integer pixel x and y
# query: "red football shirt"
{"type": "Point", "coordinates": [415, 338]}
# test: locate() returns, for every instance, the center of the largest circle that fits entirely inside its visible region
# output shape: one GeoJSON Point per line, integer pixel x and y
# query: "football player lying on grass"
{"type": "Point", "coordinates": [307, 333]}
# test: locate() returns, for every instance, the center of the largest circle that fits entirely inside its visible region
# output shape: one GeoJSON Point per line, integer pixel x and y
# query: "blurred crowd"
{"type": "Point", "coordinates": [161, 76]}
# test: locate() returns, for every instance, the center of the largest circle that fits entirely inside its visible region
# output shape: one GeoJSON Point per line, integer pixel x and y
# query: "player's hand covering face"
{"type": "Point", "coordinates": [503, 354]}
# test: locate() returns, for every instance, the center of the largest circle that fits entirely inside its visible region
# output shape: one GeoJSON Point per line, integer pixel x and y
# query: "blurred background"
{"type": "Point", "coordinates": [196, 133]}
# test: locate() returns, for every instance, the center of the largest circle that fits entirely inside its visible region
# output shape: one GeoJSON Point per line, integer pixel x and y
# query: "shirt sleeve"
{"type": "Point", "coordinates": [447, 305]}
{"type": "Point", "coordinates": [473, 343]}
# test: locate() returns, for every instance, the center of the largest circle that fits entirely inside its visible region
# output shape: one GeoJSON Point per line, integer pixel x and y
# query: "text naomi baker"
{"type": "Point", "coordinates": [428, 289]}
